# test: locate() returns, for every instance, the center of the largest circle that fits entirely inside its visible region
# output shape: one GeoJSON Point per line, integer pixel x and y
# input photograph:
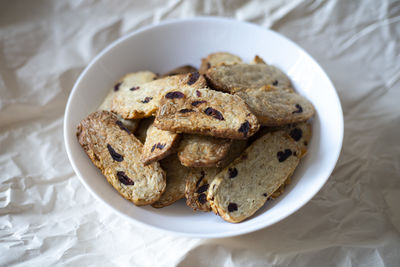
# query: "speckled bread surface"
{"type": "Point", "coordinates": [238, 77]}
{"type": "Point", "coordinates": [243, 187]}
{"type": "Point", "coordinates": [144, 100]}
{"type": "Point", "coordinates": [218, 58]}
{"type": "Point", "coordinates": [158, 145]}
{"type": "Point", "coordinates": [125, 83]}
{"type": "Point", "coordinates": [116, 152]}
{"type": "Point", "coordinates": [202, 151]}
{"type": "Point", "coordinates": [205, 112]}
{"type": "Point", "coordinates": [275, 107]}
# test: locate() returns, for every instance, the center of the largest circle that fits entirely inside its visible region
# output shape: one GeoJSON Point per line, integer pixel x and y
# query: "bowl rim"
{"type": "Point", "coordinates": [232, 233]}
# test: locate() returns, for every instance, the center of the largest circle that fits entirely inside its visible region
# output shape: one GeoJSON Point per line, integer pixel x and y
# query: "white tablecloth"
{"type": "Point", "coordinates": [47, 217]}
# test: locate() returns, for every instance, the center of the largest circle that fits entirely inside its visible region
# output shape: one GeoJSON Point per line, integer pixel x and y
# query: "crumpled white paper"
{"type": "Point", "coordinates": [47, 217]}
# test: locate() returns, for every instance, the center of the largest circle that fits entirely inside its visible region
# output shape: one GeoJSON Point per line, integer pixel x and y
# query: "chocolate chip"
{"type": "Point", "coordinates": [146, 99]}
{"type": "Point", "coordinates": [193, 78]}
{"type": "Point", "coordinates": [275, 83]}
{"type": "Point", "coordinates": [186, 110]}
{"type": "Point", "coordinates": [233, 172]}
{"type": "Point", "coordinates": [232, 207]}
{"type": "Point", "coordinates": [122, 126]}
{"type": "Point", "coordinates": [244, 128]}
{"type": "Point", "coordinates": [175, 94]}
{"type": "Point", "coordinates": [198, 93]}
{"type": "Point", "coordinates": [214, 113]}
{"type": "Point", "coordinates": [114, 155]}
{"type": "Point", "coordinates": [153, 147]}
{"type": "Point", "coordinates": [123, 178]}
{"type": "Point", "coordinates": [202, 188]}
{"type": "Point", "coordinates": [202, 173]}
{"type": "Point", "coordinates": [265, 194]}
{"type": "Point", "coordinates": [208, 65]}
{"type": "Point", "coordinates": [296, 134]}
{"type": "Point", "coordinates": [299, 109]}
{"type": "Point", "coordinates": [116, 87]}
{"type": "Point", "coordinates": [202, 198]}
{"type": "Point", "coordinates": [135, 88]}
{"type": "Point", "coordinates": [305, 143]}
{"type": "Point", "coordinates": [196, 103]}
{"type": "Point", "coordinates": [160, 146]}
{"type": "Point", "coordinates": [283, 155]}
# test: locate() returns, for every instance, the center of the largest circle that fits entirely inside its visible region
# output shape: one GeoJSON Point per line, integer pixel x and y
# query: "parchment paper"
{"type": "Point", "coordinates": [48, 218]}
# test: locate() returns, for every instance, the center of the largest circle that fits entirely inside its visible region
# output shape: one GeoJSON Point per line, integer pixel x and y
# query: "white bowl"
{"type": "Point", "coordinates": [170, 44]}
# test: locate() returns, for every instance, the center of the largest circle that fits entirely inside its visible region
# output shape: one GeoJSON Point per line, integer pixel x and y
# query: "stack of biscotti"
{"type": "Point", "coordinates": [227, 138]}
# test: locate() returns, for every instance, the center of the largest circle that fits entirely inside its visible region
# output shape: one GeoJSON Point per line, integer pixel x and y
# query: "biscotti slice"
{"type": "Point", "coordinates": [275, 107]}
{"type": "Point", "coordinates": [130, 80]}
{"type": "Point", "coordinates": [243, 186]}
{"type": "Point", "coordinates": [176, 181]}
{"type": "Point", "coordinates": [238, 77]}
{"type": "Point", "coordinates": [205, 112]}
{"type": "Point", "coordinates": [158, 145]}
{"type": "Point", "coordinates": [144, 100]}
{"type": "Point", "coordinates": [199, 181]}
{"type": "Point", "coordinates": [116, 152]}
{"type": "Point", "coordinates": [180, 70]}
{"type": "Point", "coordinates": [202, 151]}
{"type": "Point", "coordinates": [218, 58]}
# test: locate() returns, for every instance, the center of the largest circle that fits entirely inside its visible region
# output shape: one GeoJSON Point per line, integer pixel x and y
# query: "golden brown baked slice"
{"type": "Point", "coordinates": [180, 70]}
{"type": "Point", "coordinates": [275, 107]}
{"type": "Point", "coordinates": [202, 151]}
{"type": "Point", "coordinates": [176, 181]}
{"type": "Point", "coordinates": [198, 182]}
{"type": "Point", "coordinates": [243, 186]}
{"type": "Point", "coordinates": [144, 100]}
{"type": "Point", "coordinates": [218, 58]}
{"type": "Point", "coordinates": [238, 77]}
{"type": "Point", "coordinates": [116, 152]}
{"type": "Point", "coordinates": [129, 80]}
{"type": "Point", "coordinates": [205, 112]}
{"type": "Point", "coordinates": [158, 145]}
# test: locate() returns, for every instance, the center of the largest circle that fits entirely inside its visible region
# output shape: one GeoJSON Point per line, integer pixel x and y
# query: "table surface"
{"type": "Point", "coordinates": [47, 217]}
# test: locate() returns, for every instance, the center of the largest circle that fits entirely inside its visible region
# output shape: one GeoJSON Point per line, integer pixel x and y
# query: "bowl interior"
{"type": "Point", "coordinates": [168, 45]}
